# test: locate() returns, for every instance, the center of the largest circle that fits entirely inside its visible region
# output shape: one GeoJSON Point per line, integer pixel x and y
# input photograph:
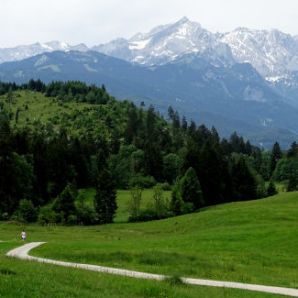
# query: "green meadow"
{"type": "Point", "coordinates": [253, 242]}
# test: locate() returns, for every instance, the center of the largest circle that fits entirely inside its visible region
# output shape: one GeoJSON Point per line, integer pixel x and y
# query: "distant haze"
{"type": "Point", "coordinates": [98, 21]}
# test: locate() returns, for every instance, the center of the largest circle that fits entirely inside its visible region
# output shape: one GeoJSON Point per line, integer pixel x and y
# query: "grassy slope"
{"type": "Point", "coordinates": [33, 280]}
{"type": "Point", "coordinates": [255, 242]}
{"type": "Point", "coordinates": [78, 118]}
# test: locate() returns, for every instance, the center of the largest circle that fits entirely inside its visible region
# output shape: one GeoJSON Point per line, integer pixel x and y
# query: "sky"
{"type": "Point", "coordinates": [98, 21]}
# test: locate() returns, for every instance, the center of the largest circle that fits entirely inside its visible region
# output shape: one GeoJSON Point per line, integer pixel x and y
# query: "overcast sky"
{"type": "Point", "coordinates": [98, 21]}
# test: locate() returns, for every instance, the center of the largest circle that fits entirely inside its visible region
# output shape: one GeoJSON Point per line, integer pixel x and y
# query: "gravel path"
{"type": "Point", "coordinates": [22, 253]}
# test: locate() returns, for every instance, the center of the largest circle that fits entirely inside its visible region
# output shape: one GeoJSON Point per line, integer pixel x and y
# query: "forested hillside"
{"type": "Point", "coordinates": [60, 137]}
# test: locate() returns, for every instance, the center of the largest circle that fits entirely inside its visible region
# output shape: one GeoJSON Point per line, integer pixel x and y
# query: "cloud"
{"type": "Point", "coordinates": [97, 21]}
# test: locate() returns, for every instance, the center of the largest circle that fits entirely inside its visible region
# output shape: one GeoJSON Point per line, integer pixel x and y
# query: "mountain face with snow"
{"type": "Point", "coordinates": [245, 79]}
{"type": "Point", "coordinates": [26, 51]}
{"type": "Point", "coordinates": [230, 98]}
{"type": "Point", "coordinates": [166, 43]}
{"type": "Point", "coordinates": [273, 53]}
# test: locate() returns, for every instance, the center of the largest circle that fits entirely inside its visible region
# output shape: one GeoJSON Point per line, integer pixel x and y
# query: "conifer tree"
{"type": "Point", "coordinates": [243, 181]}
{"type": "Point", "coordinates": [293, 183]}
{"type": "Point", "coordinates": [271, 189]}
{"type": "Point", "coordinates": [105, 199]}
{"type": "Point", "coordinates": [276, 155]}
{"type": "Point", "coordinates": [176, 200]}
{"type": "Point", "coordinates": [191, 189]}
{"type": "Point", "coordinates": [65, 202]}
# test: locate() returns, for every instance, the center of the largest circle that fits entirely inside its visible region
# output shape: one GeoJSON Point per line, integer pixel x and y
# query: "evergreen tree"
{"type": "Point", "coordinates": [293, 183]}
{"type": "Point", "coordinates": [276, 155]}
{"type": "Point", "coordinates": [26, 211]}
{"type": "Point", "coordinates": [176, 199]}
{"type": "Point", "coordinates": [65, 203]}
{"type": "Point", "coordinates": [293, 151]}
{"type": "Point", "coordinates": [243, 181]}
{"type": "Point", "coordinates": [191, 189]}
{"type": "Point", "coordinates": [132, 125]}
{"type": "Point", "coordinates": [271, 189]}
{"type": "Point", "coordinates": [105, 199]}
{"type": "Point", "coordinates": [171, 167]}
{"type": "Point", "coordinates": [184, 124]}
{"type": "Point", "coordinates": [214, 176]}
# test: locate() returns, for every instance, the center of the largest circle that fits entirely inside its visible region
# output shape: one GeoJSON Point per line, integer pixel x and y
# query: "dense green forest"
{"type": "Point", "coordinates": [65, 136]}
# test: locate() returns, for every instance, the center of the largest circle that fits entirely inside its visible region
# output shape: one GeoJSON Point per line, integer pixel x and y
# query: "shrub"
{"type": "Point", "coordinates": [286, 167]}
{"type": "Point", "coordinates": [134, 205]}
{"type": "Point", "coordinates": [26, 211]}
{"type": "Point", "coordinates": [160, 205]}
{"type": "Point", "coordinates": [47, 215]}
{"type": "Point", "coordinates": [142, 182]}
{"type": "Point", "coordinates": [148, 215]}
{"type": "Point", "coordinates": [72, 219]}
{"type": "Point", "coordinates": [293, 183]}
{"type": "Point", "coordinates": [86, 215]}
{"type": "Point", "coordinates": [65, 203]}
{"type": "Point", "coordinates": [175, 280]}
{"type": "Point", "coordinates": [187, 208]}
{"type": "Point", "coordinates": [4, 216]}
{"type": "Point", "coordinates": [165, 186]}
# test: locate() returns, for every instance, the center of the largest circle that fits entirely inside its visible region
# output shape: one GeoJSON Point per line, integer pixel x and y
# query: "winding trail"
{"type": "Point", "coordinates": [23, 254]}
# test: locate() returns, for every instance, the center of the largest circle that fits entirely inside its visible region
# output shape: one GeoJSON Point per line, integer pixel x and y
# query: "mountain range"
{"type": "Point", "coordinates": [244, 80]}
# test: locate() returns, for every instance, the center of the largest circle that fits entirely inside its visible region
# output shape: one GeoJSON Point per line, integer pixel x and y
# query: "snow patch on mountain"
{"type": "Point", "coordinates": [165, 43]}
{"type": "Point", "coordinates": [138, 45]}
{"type": "Point", "coordinates": [272, 52]}
{"type": "Point", "coordinates": [26, 51]}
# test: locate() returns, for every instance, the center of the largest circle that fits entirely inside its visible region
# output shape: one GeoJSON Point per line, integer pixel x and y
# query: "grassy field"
{"type": "Point", "coordinates": [26, 280]}
{"type": "Point", "coordinates": [123, 197]}
{"type": "Point", "coordinates": [254, 242]}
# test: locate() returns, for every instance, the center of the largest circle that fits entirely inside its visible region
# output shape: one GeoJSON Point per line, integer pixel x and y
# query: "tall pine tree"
{"type": "Point", "coordinates": [191, 189]}
{"type": "Point", "coordinates": [105, 199]}
{"type": "Point", "coordinates": [276, 155]}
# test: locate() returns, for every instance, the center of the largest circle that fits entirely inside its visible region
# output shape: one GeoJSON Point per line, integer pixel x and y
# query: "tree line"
{"type": "Point", "coordinates": [135, 147]}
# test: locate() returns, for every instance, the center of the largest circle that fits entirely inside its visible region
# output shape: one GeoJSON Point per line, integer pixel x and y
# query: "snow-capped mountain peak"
{"type": "Point", "coordinates": [26, 51]}
{"type": "Point", "coordinates": [166, 43]}
{"type": "Point", "coordinates": [271, 52]}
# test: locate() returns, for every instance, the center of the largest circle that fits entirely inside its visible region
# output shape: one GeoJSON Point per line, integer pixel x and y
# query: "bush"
{"type": "Point", "coordinates": [187, 208]}
{"type": "Point", "coordinates": [72, 219]}
{"type": "Point", "coordinates": [292, 184]}
{"type": "Point", "coordinates": [148, 215]}
{"type": "Point", "coordinates": [286, 168]}
{"type": "Point", "coordinates": [26, 211]}
{"type": "Point", "coordinates": [165, 186]}
{"type": "Point", "coordinates": [4, 216]}
{"type": "Point", "coordinates": [160, 205]}
{"type": "Point", "coordinates": [47, 215]}
{"type": "Point", "coordinates": [175, 280]}
{"type": "Point", "coordinates": [134, 205]}
{"type": "Point", "coordinates": [142, 182]}
{"type": "Point", "coordinates": [86, 215]}
{"type": "Point", "coordinates": [65, 203]}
